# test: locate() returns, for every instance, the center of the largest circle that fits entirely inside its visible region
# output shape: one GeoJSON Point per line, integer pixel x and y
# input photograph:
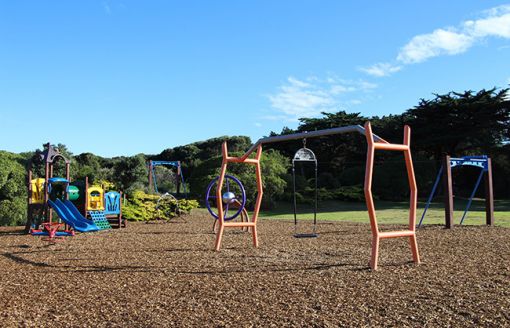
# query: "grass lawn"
{"type": "Point", "coordinates": [394, 212]}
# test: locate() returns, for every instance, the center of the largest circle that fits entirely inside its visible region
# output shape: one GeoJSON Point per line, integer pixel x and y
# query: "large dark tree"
{"type": "Point", "coordinates": [460, 123]}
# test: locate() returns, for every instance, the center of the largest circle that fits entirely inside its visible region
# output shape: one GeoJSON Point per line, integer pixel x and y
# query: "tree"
{"type": "Point", "coordinates": [130, 173]}
{"type": "Point", "coordinates": [13, 190]}
{"type": "Point", "coordinates": [460, 123]}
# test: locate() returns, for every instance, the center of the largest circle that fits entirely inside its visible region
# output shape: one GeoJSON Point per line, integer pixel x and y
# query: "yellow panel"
{"type": "Point", "coordinates": [96, 199]}
{"type": "Point", "coordinates": [37, 196]}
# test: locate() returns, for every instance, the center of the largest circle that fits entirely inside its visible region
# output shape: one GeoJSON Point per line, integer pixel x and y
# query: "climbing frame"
{"type": "Point", "coordinates": [374, 143]}
{"type": "Point", "coordinates": [376, 234]}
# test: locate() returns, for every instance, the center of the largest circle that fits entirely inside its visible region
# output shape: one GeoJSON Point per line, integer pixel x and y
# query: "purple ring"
{"type": "Point", "coordinates": [208, 196]}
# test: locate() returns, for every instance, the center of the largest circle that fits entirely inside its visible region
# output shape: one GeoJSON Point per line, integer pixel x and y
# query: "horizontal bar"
{"type": "Point", "coordinates": [396, 234]}
{"type": "Point", "coordinates": [312, 134]}
{"type": "Point", "coordinates": [239, 224]}
{"type": "Point", "coordinates": [385, 146]}
{"type": "Point", "coordinates": [241, 160]}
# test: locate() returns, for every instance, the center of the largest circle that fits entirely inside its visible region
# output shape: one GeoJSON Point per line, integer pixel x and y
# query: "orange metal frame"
{"type": "Point", "coordinates": [376, 234]}
{"type": "Point", "coordinates": [380, 144]}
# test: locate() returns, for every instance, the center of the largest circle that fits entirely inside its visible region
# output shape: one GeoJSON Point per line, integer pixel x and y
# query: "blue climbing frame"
{"type": "Point", "coordinates": [482, 162]}
{"type": "Point", "coordinates": [152, 174]}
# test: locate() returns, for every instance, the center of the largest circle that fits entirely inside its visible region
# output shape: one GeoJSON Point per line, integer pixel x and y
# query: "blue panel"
{"type": "Point", "coordinates": [476, 161]}
{"type": "Point", "coordinates": [112, 203]}
{"type": "Point", "coordinates": [171, 163]}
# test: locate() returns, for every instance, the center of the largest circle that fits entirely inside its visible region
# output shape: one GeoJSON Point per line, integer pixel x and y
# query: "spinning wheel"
{"type": "Point", "coordinates": [233, 198]}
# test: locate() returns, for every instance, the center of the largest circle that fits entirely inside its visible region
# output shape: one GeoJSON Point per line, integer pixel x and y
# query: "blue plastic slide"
{"type": "Point", "coordinates": [71, 216]}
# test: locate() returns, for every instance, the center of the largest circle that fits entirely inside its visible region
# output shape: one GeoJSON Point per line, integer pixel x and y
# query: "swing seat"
{"type": "Point", "coordinates": [306, 235]}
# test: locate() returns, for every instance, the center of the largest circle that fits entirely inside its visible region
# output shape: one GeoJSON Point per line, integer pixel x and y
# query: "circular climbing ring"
{"type": "Point", "coordinates": [232, 185]}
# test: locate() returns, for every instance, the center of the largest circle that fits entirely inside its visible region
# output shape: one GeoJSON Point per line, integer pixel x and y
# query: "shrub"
{"type": "Point", "coordinates": [144, 207]}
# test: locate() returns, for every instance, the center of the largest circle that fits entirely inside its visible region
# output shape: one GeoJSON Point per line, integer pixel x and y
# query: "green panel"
{"type": "Point", "coordinates": [74, 193]}
{"type": "Point", "coordinates": [100, 220]}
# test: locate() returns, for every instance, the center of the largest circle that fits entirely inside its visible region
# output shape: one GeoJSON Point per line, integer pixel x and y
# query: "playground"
{"type": "Point", "coordinates": [168, 274]}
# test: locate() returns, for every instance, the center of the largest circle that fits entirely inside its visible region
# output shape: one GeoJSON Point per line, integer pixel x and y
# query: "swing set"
{"type": "Point", "coordinates": [221, 193]}
{"type": "Point", "coordinates": [304, 155]}
{"type": "Point", "coordinates": [153, 181]}
{"type": "Point", "coordinates": [482, 162]}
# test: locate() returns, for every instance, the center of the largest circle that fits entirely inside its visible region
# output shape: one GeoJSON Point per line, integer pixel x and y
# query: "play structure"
{"type": "Point", "coordinates": [224, 196]}
{"type": "Point", "coordinates": [52, 193]}
{"type": "Point", "coordinates": [304, 155]}
{"type": "Point", "coordinates": [105, 208]}
{"type": "Point", "coordinates": [57, 194]}
{"type": "Point", "coordinates": [482, 162]}
{"type": "Point", "coordinates": [153, 181]}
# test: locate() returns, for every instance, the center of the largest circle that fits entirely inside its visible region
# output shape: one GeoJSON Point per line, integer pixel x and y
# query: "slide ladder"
{"type": "Point", "coordinates": [100, 220]}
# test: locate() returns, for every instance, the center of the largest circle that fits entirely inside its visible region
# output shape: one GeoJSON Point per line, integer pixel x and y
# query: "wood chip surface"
{"type": "Point", "coordinates": [162, 275]}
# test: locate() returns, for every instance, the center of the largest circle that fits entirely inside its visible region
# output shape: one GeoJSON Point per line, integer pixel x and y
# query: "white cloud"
{"type": "Point", "coordinates": [381, 69]}
{"type": "Point", "coordinates": [298, 99]}
{"type": "Point", "coordinates": [494, 22]}
{"type": "Point", "coordinates": [257, 124]}
{"type": "Point", "coordinates": [439, 42]}
{"type": "Point", "coordinates": [308, 98]}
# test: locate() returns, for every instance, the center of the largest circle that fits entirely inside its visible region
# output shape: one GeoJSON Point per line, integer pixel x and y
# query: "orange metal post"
{"type": "Point", "coordinates": [376, 235]}
{"type": "Point", "coordinates": [260, 191]}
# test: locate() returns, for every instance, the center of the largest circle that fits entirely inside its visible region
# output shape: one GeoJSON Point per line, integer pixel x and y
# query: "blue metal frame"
{"type": "Point", "coordinates": [175, 164]}
{"type": "Point", "coordinates": [476, 161]}
{"type": "Point", "coordinates": [431, 196]}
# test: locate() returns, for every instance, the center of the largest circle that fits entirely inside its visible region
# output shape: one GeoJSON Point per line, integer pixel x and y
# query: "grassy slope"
{"type": "Point", "coordinates": [392, 212]}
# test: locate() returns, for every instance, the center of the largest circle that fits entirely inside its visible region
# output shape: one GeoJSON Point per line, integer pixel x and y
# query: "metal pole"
{"type": "Point", "coordinates": [448, 193]}
{"type": "Point", "coordinates": [472, 195]}
{"type": "Point", "coordinates": [431, 196]}
{"type": "Point", "coordinates": [489, 195]}
{"type": "Point", "coordinates": [311, 134]}
{"type": "Point", "coordinates": [316, 200]}
{"type": "Point", "coordinates": [294, 195]}
{"type": "Point", "coordinates": [150, 176]}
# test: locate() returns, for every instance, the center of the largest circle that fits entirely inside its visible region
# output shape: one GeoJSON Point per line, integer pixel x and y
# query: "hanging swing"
{"type": "Point", "coordinates": [304, 155]}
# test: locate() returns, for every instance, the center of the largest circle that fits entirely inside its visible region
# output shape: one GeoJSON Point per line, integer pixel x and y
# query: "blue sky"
{"type": "Point", "coordinates": [124, 77]}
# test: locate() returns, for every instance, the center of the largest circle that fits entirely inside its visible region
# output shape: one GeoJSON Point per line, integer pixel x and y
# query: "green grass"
{"type": "Point", "coordinates": [394, 212]}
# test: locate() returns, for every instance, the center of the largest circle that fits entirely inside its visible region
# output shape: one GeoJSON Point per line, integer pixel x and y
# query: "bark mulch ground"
{"type": "Point", "coordinates": [168, 275]}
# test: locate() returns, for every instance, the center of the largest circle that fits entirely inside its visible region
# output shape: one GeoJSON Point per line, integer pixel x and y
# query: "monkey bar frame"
{"type": "Point", "coordinates": [374, 143]}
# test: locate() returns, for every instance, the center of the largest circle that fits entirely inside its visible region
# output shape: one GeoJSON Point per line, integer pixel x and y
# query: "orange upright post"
{"type": "Point", "coordinates": [260, 191]}
{"type": "Point", "coordinates": [376, 234]}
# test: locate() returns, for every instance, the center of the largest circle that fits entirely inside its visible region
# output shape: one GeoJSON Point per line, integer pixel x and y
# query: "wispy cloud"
{"type": "Point", "coordinates": [440, 42]}
{"type": "Point", "coordinates": [106, 7]}
{"type": "Point", "coordinates": [308, 98]}
{"type": "Point", "coordinates": [493, 23]}
{"type": "Point", "coordinates": [381, 69]}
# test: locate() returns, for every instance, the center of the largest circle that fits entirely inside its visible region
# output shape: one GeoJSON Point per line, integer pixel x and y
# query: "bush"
{"type": "Point", "coordinates": [13, 211]}
{"type": "Point", "coordinates": [13, 190]}
{"type": "Point", "coordinates": [144, 207]}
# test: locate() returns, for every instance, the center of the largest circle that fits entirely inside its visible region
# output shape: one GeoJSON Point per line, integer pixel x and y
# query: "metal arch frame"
{"type": "Point", "coordinates": [374, 143]}
{"type": "Point", "coordinates": [49, 156]}
{"type": "Point", "coordinates": [152, 173]}
{"type": "Point", "coordinates": [482, 162]}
